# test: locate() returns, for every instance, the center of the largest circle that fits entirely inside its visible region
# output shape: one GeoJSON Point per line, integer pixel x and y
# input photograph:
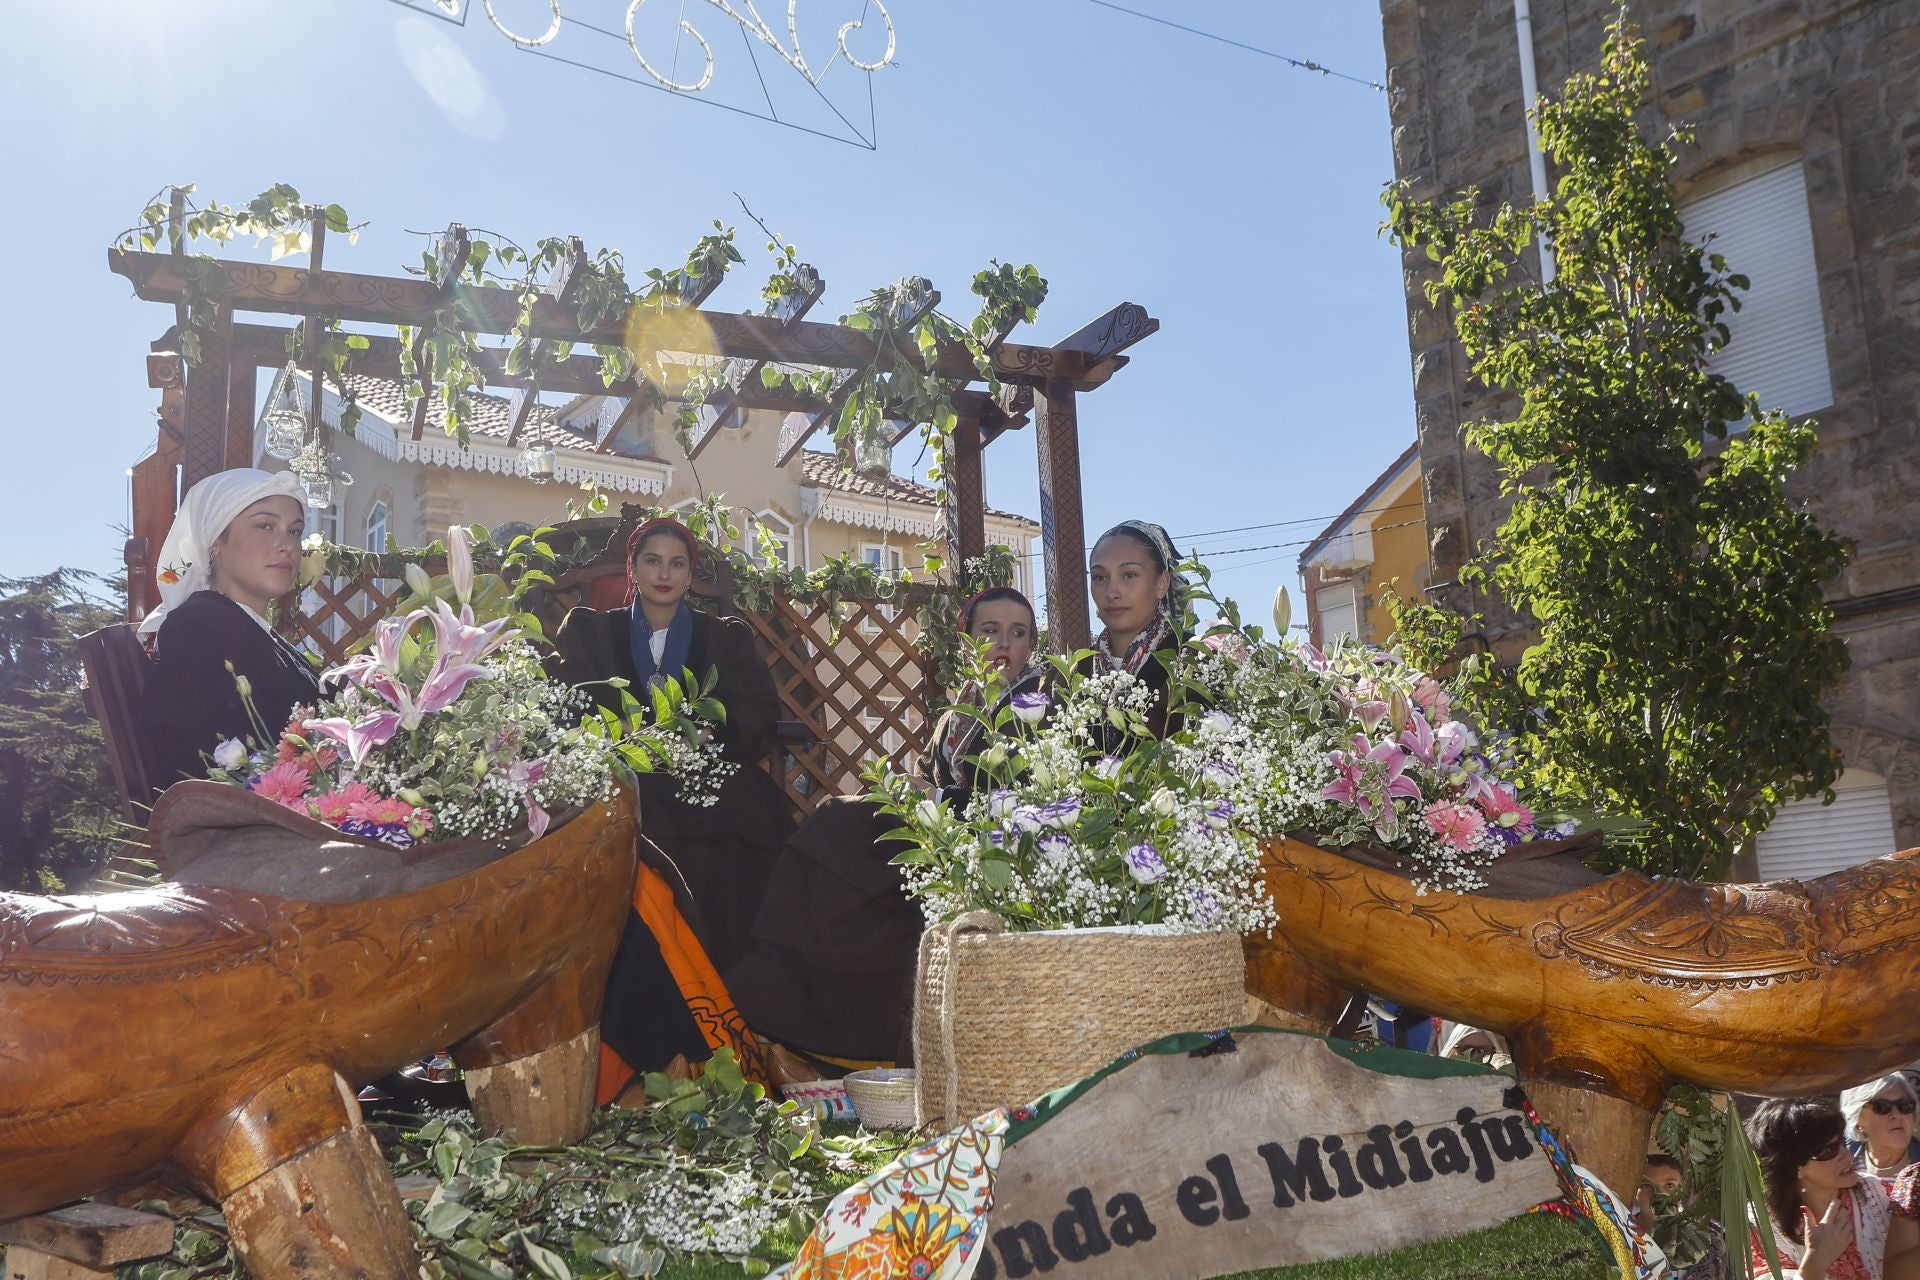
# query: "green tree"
{"type": "Point", "coordinates": [1684, 643]}
{"type": "Point", "coordinates": [59, 810]}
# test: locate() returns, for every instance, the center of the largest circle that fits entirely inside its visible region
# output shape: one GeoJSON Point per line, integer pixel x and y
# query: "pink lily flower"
{"type": "Point", "coordinates": [443, 685]}
{"type": "Point", "coordinates": [457, 641]}
{"type": "Point", "coordinates": [1418, 739]}
{"type": "Point", "coordinates": [1371, 777]}
{"type": "Point", "coordinates": [362, 735]}
{"type": "Point", "coordinates": [460, 564]}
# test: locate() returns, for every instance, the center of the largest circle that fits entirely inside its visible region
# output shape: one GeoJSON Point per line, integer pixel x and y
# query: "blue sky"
{"type": "Point", "coordinates": [1232, 195]}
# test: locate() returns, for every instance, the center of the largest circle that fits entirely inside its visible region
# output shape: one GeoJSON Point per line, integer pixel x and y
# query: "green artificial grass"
{"type": "Point", "coordinates": [1536, 1247]}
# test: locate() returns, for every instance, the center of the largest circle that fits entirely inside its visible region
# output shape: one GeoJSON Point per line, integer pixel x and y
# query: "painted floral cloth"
{"type": "Point", "coordinates": [920, 1218]}
{"type": "Point", "coordinates": [1588, 1200]}
{"type": "Point", "coordinates": [1863, 1259]}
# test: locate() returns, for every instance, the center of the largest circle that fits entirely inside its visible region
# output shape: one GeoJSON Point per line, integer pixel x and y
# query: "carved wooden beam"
{"type": "Point", "coordinates": [365, 299]}
{"type": "Point", "coordinates": [724, 408]}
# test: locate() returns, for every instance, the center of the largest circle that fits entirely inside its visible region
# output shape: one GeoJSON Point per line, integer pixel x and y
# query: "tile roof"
{"type": "Point", "coordinates": [388, 398]}
{"type": "Point", "coordinates": [823, 471]}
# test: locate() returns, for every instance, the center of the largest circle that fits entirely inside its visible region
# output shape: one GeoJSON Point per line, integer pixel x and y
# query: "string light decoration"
{"type": "Point", "coordinates": [756, 32]}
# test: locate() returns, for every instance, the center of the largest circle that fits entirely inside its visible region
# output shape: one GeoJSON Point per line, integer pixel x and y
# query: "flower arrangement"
{"type": "Point", "coordinates": [1083, 818]}
{"type": "Point", "coordinates": [452, 729]}
{"type": "Point", "coordinates": [1087, 820]}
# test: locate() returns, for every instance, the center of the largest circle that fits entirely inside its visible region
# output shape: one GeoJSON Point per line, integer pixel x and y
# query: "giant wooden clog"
{"type": "Point", "coordinates": [1625, 986]}
{"type": "Point", "coordinates": [220, 1031]}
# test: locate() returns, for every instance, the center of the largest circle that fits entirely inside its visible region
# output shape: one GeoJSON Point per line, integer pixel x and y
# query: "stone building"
{"type": "Point", "coordinates": [1806, 166]}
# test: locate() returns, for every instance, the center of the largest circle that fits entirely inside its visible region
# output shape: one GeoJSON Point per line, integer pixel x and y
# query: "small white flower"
{"type": "Point", "coordinates": [1163, 803]}
{"type": "Point", "coordinates": [1217, 721]}
{"type": "Point", "coordinates": [230, 754]}
{"type": "Point", "coordinates": [929, 813]}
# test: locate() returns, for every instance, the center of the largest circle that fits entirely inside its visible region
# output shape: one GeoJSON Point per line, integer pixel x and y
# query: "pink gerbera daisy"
{"type": "Point", "coordinates": [1459, 826]}
{"type": "Point", "coordinates": [336, 806]}
{"type": "Point", "coordinates": [285, 784]}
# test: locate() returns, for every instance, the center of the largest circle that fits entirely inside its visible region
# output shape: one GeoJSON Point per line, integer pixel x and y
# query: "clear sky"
{"type": "Point", "coordinates": [1232, 195]}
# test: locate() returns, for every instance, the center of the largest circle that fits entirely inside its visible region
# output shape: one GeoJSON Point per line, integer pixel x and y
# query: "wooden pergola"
{"type": "Point", "coordinates": [208, 409]}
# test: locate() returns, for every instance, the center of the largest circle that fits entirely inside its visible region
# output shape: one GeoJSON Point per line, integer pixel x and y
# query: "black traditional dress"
{"type": "Point", "coordinates": [191, 704]}
{"type": "Point", "coordinates": [831, 968]}
{"type": "Point", "coordinates": [725, 851]}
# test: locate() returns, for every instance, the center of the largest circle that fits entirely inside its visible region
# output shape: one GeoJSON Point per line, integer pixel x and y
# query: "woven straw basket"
{"type": "Point", "coordinates": [1000, 1018]}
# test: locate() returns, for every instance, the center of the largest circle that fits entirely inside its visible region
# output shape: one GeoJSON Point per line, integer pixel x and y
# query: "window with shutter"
{"type": "Point", "coordinates": [1777, 345]}
{"type": "Point", "coordinates": [1339, 610]}
{"type": "Point", "coordinates": [1809, 839]}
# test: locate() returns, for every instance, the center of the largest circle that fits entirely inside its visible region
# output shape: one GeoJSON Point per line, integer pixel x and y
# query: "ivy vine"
{"type": "Point", "coordinates": [444, 358]}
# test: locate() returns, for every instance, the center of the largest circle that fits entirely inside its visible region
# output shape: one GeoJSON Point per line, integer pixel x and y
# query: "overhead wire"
{"type": "Point", "coordinates": [1304, 64]}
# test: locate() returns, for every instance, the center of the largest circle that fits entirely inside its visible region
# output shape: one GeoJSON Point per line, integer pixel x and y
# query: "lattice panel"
{"type": "Point", "coordinates": [859, 695]}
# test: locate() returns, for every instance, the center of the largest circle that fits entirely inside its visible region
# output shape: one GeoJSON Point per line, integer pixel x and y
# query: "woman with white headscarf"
{"type": "Point", "coordinates": [234, 547]}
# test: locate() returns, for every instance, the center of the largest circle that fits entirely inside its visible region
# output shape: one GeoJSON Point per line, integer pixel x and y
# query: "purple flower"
{"type": "Point", "coordinates": [1031, 708]}
{"type": "Point", "coordinates": [1220, 772]}
{"type": "Point", "coordinates": [1220, 816]}
{"type": "Point", "coordinates": [1206, 908]}
{"type": "Point", "coordinates": [1144, 863]}
{"type": "Point", "coordinates": [1000, 805]}
{"type": "Point", "coordinates": [1061, 813]}
{"type": "Point", "coordinates": [1027, 818]}
{"type": "Point", "coordinates": [393, 833]}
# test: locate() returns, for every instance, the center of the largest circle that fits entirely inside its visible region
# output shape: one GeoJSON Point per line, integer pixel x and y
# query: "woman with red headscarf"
{"type": "Point", "coordinates": [722, 851]}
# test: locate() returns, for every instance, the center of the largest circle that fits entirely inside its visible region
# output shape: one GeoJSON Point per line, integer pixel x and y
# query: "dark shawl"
{"type": "Point", "coordinates": [190, 704]}
{"type": "Point", "coordinates": [724, 851]}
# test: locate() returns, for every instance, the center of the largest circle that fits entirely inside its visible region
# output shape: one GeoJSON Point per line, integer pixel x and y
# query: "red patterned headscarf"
{"type": "Point", "coordinates": [662, 524]}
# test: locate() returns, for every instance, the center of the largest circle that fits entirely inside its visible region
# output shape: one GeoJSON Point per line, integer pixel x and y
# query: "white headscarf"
{"type": "Point", "coordinates": [208, 509]}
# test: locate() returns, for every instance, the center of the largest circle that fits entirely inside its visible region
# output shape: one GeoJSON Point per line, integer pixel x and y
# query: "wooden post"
{"type": "Point", "coordinates": [541, 1099]}
{"type": "Point", "coordinates": [1062, 527]}
{"type": "Point", "coordinates": [242, 378]}
{"type": "Point", "coordinates": [1607, 1134]}
{"type": "Point", "coordinates": [207, 387]}
{"type": "Point", "coordinates": [331, 1211]}
{"type": "Point", "coordinates": [966, 498]}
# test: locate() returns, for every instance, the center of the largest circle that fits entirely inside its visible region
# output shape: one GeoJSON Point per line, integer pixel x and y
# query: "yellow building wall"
{"type": "Point", "coordinates": [1398, 552]}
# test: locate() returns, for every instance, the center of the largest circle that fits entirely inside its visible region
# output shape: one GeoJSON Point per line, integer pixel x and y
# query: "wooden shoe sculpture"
{"type": "Point", "coordinates": [1622, 987]}
{"type": "Point", "coordinates": [219, 1025]}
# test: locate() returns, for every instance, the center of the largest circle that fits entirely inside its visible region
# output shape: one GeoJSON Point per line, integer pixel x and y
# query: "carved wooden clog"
{"type": "Point", "coordinates": [1623, 987]}
{"type": "Point", "coordinates": [221, 1031]}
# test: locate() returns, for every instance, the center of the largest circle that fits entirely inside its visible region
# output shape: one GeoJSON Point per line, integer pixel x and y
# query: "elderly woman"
{"type": "Point", "coordinates": [1880, 1129]}
{"type": "Point", "coordinates": [234, 548]}
{"type": "Point", "coordinates": [1829, 1222]}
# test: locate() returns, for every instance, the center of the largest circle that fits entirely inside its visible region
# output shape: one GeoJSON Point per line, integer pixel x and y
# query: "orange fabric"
{"type": "Point", "coordinates": [700, 986]}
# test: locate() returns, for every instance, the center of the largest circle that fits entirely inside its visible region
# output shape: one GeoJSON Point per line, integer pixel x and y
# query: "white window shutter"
{"type": "Point", "coordinates": [1808, 839]}
{"type": "Point", "coordinates": [1339, 610]}
{"type": "Point", "coordinates": [1777, 347]}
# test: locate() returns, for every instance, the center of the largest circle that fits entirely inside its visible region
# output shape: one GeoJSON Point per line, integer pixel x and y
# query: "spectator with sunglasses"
{"type": "Point", "coordinates": [1829, 1221]}
{"type": "Point", "coordinates": [1880, 1124]}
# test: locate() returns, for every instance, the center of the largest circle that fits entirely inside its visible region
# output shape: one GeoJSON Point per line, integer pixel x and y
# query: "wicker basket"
{"type": "Point", "coordinates": [1001, 1018]}
{"type": "Point", "coordinates": [883, 1098]}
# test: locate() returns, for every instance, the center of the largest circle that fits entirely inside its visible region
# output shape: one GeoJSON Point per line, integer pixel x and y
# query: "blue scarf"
{"type": "Point", "coordinates": [640, 644]}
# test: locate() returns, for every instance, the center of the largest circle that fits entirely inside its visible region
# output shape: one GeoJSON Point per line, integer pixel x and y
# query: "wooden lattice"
{"type": "Point", "coordinates": [849, 693]}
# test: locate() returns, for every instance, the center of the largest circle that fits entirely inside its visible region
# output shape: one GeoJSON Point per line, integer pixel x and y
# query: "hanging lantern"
{"type": "Point", "coordinates": [286, 424]}
{"type": "Point", "coordinates": [319, 489]}
{"type": "Point", "coordinates": [539, 460]}
{"type": "Point", "coordinates": [873, 454]}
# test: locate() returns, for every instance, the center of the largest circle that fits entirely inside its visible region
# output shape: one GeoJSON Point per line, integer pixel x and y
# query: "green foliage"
{"type": "Point", "coordinates": [1685, 644]}
{"type": "Point", "coordinates": [593, 1210]}
{"type": "Point", "coordinates": [1721, 1181]}
{"type": "Point", "coordinates": [59, 808]}
{"type": "Point", "coordinates": [1541, 1246]}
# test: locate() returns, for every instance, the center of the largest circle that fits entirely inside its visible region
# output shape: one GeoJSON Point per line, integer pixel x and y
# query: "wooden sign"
{"type": "Point", "coordinates": [1257, 1149]}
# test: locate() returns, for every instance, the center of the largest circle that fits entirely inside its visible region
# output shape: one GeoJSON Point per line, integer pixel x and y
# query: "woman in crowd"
{"type": "Point", "coordinates": [1829, 1221]}
{"type": "Point", "coordinates": [1880, 1124]}
{"type": "Point", "coordinates": [831, 969]}
{"type": "Point", "coordinates": [234, 548]}
{"type": "Point", "coordinates": [724, 848]}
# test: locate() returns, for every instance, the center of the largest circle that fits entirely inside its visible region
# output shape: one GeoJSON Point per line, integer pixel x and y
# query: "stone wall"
{"type": "Point", "coordinates": [1836, 82]}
